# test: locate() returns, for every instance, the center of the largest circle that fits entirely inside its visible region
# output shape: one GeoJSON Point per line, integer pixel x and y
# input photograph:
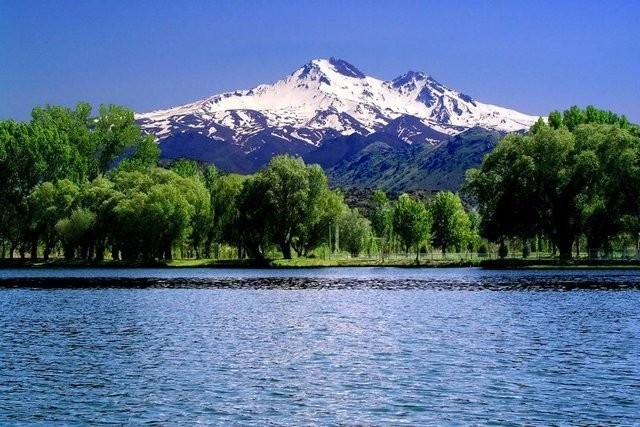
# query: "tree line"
{"type": "Point", "coordinates": [89, 187]}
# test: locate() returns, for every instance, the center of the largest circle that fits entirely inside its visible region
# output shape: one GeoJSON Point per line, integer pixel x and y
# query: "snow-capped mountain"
{"type": "Point", "coordinates": [326, 99]}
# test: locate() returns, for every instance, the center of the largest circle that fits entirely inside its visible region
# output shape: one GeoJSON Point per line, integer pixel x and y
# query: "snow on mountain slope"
{"type": "Point", "coordinates": [330, 96]}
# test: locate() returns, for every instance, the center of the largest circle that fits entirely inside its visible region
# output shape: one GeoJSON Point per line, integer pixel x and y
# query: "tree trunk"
{"type": "Point", "coordinates": [253, 252]}
{"type": "Point", "coordinates": [100, 244]}
{"type": "Point", "coordinates": [207, 249]}
{"type": "Point", "coordinates": [34, 249]}
{"type": "Point", "coordinates": [286, 250]}
{"type": "Point", "coordinates": [68, 252]}
{"type": "Point", "coordinates": [84, 251]}
{"type": "Point", "coordinates": [167, 252]}
{"type": "Point", "coordinates": [565, 245]}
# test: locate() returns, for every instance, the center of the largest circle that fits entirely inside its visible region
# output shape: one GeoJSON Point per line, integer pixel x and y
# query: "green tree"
{"type": "Point", "coordinates": [538, 183]}
{"type": "Point", "coordinates": [153, 214]}
{"type": "Point", "coordinates": [49, 203]}
{"type": "Point", "coordinates": [225, 191]}
{"type": "Point", "coordinates": [187, 168]}
{"type": "Point", "coordinates": [286, 180]}
{"type": "Point", "coordinates": [411, 222]}
{"type": "Point", "coordinates": [75, 232]}
{"type": "Point", "coordinates": [114, 130]}
{"type": "Point", "coordinates": [309, 232]}
{"type": "Point", "coordinates": [323, 208]}
{"type": "Point", "coordinates": [287, 204]}
{"type": "Point", "coordinates": [167, 214]}
{"type": "Point", "coordinates": [538, 125]}
{"type": "Point", "coordinates": [333, 209]}
{"type": "Point", "coordinates": [101, 198]}
{"type": "Point", "coordinates": [197, 195]}
{"type": "Point", "coordinates": [503, 189]}
{"type": "Point", "coordinates": [616, 208]}
{"type": "Point", "coordinates": [555, 119]}
{"type": "Point", "coordinates": [381, 218]}
{"type": "Point", "coordinates": [573, 117]}
{"type": "Point", "coordinates": [58, 144]}
{"type": "Point", "coordinates": [144, 157]}
{"type": "Point", "coordinates": [450, 223]}
{"type": "Point", "coordinates": [66, 141]}
{"type": "Point", "coordinates": [254, 215]}
{"type": "Point", "coordinates": [355, 232]}
{"type": "Point", "coordinates": [474, 241]}
{"type": "Point", "coordinates": [22, 167]}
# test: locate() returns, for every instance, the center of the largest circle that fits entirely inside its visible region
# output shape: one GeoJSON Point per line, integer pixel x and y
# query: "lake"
{"type": "Point", "coordinates": [372, 346]}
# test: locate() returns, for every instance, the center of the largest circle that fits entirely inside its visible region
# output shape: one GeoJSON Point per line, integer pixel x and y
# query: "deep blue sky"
{"type": "Point", "coordinates": [533, 56]}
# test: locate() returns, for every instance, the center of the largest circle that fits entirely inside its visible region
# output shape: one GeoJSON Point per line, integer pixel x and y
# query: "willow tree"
{"type": "Point", "coordinates": [552, 180]}
{"type": "Point", "coordinates": [533, 184]}
{"type": "Point", "coordinates": [287, 204]}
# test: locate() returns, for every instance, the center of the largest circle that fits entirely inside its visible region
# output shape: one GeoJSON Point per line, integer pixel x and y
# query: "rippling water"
{"type": "Point", "coordinates": [331, 346]}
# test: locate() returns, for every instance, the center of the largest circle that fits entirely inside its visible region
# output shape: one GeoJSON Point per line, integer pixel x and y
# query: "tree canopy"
{"type": "Point", "coordinates": [90, 186]}
{"type": "Point", "coordinates": [571, 175]}
{"type": "Point", "coordinates": [451, 226]}
{"type": "Point", "coordinates": [411, 222]}
{"type": "Point", "coordinates": [288, 204]}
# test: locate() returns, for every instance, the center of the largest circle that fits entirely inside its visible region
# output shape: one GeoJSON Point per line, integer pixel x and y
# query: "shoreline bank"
{"type": "Point", "coordinates": [303, 263]}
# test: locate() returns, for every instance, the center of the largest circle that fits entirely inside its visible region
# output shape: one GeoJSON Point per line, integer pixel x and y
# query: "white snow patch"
{"type": "Point", "coordinates": [318, 87]}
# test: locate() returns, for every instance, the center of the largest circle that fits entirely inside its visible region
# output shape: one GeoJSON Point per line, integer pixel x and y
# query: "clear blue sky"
{"type": "Point", "coordinates": [533, 56]}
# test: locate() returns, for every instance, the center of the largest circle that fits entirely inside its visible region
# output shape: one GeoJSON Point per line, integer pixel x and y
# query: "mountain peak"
{"type": "Point", "coordinates": [343, 67]}
{"type": "Point", "coordinates": [329, 66]}
{"type": "Point", "coordinates": [329, 97]}
{"type": "Point", "coordinates": [418, 75]}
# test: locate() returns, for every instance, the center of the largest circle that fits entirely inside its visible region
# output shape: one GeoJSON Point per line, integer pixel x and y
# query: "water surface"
{"type": "Point", "coordinates": [327, 346]}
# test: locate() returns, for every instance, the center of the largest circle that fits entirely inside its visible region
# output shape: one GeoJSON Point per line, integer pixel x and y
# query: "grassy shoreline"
{"type": "Point", "coordinates": [296, 263]}
{"type": "Point", "coordinates": [302, 263]}
{"type": "Point", "coordinates": [556, 264]}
